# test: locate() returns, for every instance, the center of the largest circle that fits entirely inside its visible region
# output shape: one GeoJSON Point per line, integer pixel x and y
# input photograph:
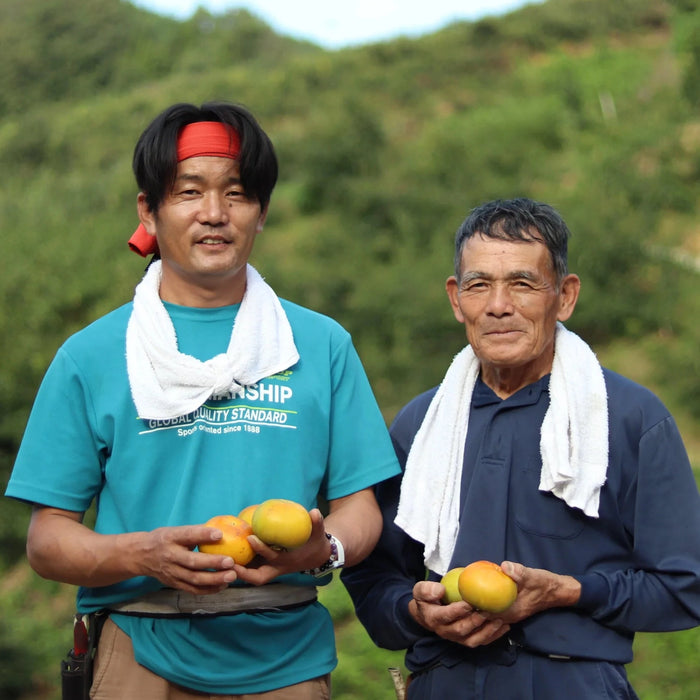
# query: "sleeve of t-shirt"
{"type": "Point", "coordinates": [361, 453]}
{"type": "Point", "coordinates": [59, 462]}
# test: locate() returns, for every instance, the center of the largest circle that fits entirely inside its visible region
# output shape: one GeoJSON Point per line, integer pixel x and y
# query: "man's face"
{"type": "Point", "coordinates": [508, 299]}
{"type": "Point", "coordinates": [205, 227]}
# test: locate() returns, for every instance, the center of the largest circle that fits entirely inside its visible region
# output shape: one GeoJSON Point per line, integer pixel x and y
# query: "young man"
{"type": "Point", "coordinates": [530, 455]}
{"type": "Point", "coordinates": [204, 395]}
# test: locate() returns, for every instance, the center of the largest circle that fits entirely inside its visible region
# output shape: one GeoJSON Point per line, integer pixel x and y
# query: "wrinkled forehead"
{"type": "Point", "coordinates": [488, 256]}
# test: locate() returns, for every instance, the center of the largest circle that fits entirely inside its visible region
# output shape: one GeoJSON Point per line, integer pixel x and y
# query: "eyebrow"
{"type": "Point", "coordinates": [472, 275]}
{"type": "Point", "coordinates": [200, 178]}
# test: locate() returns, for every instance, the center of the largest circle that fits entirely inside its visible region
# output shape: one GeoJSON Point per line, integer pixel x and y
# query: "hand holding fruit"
{"type": "Point", "coordinates": [459, 608]}
{"type": "Point", "coordinates": [234, 539]}
{"type": "Point", "coordinates": [286, 536]}
{"type": "Point", "coordinates": [275, 560]}
{"type": "Point", "coordinates": [458, 622]}
{"type": "Point", "coordinates": [482, 584]}
{"type": "Point", "coordinates": [538, 589]}
{"type": "Point", "coordinates": [531, 590]}
{"type": "Point", "coordinates": [166, 554]}
{"type": "Point", "coordinates": [281, 523]}
{"type": "Point", "coordinates": [277, 522]}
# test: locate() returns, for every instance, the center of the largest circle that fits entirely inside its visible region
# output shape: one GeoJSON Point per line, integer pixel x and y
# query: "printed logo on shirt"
{"type": "Point", "coordinates": [250, 410]}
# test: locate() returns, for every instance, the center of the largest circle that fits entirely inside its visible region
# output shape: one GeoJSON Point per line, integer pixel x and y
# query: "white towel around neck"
{"type": "Point", "coordinates": [166, 383]}
{"type": "Point", "coordinates": [573, 445]}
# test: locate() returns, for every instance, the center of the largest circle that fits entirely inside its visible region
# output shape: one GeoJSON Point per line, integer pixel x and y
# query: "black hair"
{"type": "Point", "coordinates": [155, 154]}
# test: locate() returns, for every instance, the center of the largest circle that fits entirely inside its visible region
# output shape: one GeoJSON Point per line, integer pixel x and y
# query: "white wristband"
{"type": "Point", "coordinates": [335, 561]}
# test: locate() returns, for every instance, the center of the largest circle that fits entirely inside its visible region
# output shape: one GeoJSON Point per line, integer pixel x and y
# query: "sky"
{"type": "Point", "coordinates": [334, 24]}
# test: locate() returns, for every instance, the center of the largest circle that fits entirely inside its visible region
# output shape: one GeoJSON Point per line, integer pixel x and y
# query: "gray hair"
{"type": "Point", "coordinates": [518, 219]}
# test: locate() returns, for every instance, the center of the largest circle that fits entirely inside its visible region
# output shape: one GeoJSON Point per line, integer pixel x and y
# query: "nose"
{"type": "Point", "coordinates": [500, 302]}
{"type": "Point", "coordinates": [213, 210]}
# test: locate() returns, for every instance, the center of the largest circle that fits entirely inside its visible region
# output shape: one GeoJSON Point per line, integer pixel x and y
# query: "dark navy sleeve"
{"type": "Point", "coordinates": [660, 590]}
{"type": "Point", "coordinates": [381, 586]}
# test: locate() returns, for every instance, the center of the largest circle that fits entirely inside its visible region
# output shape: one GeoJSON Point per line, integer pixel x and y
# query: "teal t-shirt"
{"type": "Point", "coordinates": [314, 429]}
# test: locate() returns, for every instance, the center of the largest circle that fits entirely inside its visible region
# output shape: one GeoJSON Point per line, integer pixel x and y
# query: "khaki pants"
{"type": "Point", "coordinates": [117, 676]}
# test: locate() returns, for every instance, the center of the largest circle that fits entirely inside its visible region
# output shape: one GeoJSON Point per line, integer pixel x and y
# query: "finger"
{"type": "Point", "coordinates": [263, 549]}
{"type": "Point", "coordinates": [318, 525]}
{"type": "Point", "coordinates": [486, 633]}
{"type": "Point", "coordinates": [205, 580]}
{"type": "Point", "coordinates": [428, 591]}
{"type": "Point", "coordinates": [202, 584]}
{"type": "Point", "coordinates": [453, 612]}
{"type": "Point", "coordinates": [256, 576]}
{"type": "Point", "coordinates": [201, 561]}
{"type": "Point", "coordinates": [316, 516]}
{"type": "Point", "coordinates": [192, 535]}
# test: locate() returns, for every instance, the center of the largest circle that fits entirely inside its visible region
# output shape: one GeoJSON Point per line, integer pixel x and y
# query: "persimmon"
{"type": "Point", "coordinates": [279, 522]}
{"type": "Point", "coordinates": [234, 542]}
{"type": "Point", "coordinates": [449, 581]}
{"type": "Point", "coordinates": [487, 587]}
{"type": "Point", "coordinates": [247, 513]}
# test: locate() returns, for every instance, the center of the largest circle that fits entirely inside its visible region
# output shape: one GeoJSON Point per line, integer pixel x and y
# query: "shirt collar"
{"type": "Point", "coordinates": [483, 395]}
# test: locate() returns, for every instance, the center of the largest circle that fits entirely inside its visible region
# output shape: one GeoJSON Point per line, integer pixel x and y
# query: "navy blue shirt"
{"type": "Point", "coordinates": [638, 562]}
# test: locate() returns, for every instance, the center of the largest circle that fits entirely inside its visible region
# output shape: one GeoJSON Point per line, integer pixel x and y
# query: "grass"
{"type": "Point", "coordinates": [362, 670]}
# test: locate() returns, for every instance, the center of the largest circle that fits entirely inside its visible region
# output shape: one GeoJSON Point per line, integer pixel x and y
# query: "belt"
{"type": "Point", "coordinates": [169, 602]}
{"type": "Point", "coordinates": [503, 652]}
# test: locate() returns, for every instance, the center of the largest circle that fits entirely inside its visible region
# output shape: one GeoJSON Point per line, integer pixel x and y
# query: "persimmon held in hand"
{"type": "Point", "coordinates": [234, 542]}
{"type": "Point", "coordinates": [487, 587]}
{"type": "Point", "coordinates": [247, 513]}
{"type": "Point", "coordinates": [279, 522]}
{"type": "Point", "coordinates": [449, 581]}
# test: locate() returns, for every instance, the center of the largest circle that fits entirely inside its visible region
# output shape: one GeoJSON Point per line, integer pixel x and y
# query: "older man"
{"type": "Point", "coordinates": [530, 455]}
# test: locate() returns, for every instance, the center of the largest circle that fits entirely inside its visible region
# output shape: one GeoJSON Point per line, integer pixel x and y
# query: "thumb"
{"type": "Point", "coordinates": [515, 571]}
{"type": "Point", "coordinates": [317, 519]}
{"type": "Point", "coordinates": [428, 591]}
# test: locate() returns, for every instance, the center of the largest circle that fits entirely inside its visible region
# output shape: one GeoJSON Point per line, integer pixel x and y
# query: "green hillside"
{"type": "Point", "coordinates": [590, 105]}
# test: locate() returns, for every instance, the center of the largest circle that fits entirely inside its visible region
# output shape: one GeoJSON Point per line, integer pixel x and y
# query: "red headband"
{"type": "Point", "coordinates": [207, 139]}
{"type": "Point", "coordinates": [196, 139]}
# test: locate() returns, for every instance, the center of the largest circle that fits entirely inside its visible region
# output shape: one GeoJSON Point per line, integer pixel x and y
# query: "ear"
{"type": "Point", "coordinates": [568, 296]}
{"type": "Point", "coordinates": [146, 216]}
{"type": "Point", "coordinates": [261, 219]}
{"type": "Point", "coordinates": [452, 289]}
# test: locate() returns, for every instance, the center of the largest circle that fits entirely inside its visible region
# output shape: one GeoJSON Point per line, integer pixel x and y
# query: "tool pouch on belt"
{"type": "Point", "coordinates": [76, 668]}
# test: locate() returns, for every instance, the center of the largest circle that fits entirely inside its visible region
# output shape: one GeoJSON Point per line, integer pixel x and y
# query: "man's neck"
{"type": "Point", "coordinates": [218, 291]}
{"type": "Point", "coordinates": [506, 382]}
